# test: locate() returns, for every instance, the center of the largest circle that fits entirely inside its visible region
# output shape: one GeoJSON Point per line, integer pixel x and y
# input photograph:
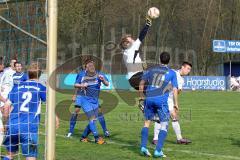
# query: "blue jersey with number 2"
{"type": "Point", "coordinates": [26, 101]}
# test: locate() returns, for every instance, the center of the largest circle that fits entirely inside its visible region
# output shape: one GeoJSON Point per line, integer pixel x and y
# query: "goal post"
{"type": "Point", "coordinates": [28, 31]}
{"type": "Point", "coordinates": [51, 66]}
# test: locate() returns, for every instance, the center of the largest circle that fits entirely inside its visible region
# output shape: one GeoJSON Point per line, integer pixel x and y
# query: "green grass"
{"type": "Point", "coordinates": [209, 119]}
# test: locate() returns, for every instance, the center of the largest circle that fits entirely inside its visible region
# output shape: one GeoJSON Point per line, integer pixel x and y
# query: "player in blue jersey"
{"type": "Point", "coordinates": [183, 71]}
{"type": "Point", "coordinates": [74, 116]}
{"type": "Point", "coordinates": [19, 76]}
{"type": "Point", "coordinates": [24, 118]}
{"type": "Point", "coordinates": [161, 81]}
{"type": "Point", "coordinates": [88, 84]}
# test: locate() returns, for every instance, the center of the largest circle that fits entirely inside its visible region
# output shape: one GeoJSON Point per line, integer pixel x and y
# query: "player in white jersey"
{"type": "Point", "coordinates": [6, 84]}
{"type": "Point", "coordinates": [183, 71]}
{"type": "Point", "coordinates": [131, 57]}
{"type": "Point", "coordinates": [7, 80]}
{"type": "Point", "coordinates": [1, 123]}
{"type": "Point", "coordinates": [2, 100]}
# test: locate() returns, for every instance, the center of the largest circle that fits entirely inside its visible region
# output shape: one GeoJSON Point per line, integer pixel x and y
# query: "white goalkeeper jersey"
{"type": "Point", "coordinates": [132, 59]}
{"type": "Point", "coordinates": [6, 80]}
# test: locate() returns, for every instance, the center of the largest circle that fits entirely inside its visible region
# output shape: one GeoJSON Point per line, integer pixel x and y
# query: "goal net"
{"type": "Point", "coordinates": [23, 36]}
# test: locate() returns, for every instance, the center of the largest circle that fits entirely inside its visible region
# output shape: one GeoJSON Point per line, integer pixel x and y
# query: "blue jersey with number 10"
{"type": "Point", "coordinates": [26, 101]}
{"type": "Point", "coordinates": [160, 81]}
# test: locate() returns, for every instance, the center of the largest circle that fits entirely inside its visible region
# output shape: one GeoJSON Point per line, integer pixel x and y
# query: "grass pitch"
{"type": "Point", "coordinates": [209, 119]}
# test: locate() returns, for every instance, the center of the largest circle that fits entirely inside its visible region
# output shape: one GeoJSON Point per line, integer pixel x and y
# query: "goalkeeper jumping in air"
{"type": "Point", "coordinates": [132, 59]}
{"type": "Point", "coordinates": [131, 55]}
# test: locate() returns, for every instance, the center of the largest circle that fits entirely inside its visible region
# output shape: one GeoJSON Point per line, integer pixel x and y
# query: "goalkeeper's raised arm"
{"type": "Point", "coordinates": [145, 29]}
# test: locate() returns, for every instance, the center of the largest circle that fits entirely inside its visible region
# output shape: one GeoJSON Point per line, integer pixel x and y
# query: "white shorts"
{"type": "Point", "coordinates": [4, 95]}
{"type": "Point", "coordinates": [170, 105]}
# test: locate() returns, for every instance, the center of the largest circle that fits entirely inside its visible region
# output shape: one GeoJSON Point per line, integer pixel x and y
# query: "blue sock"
{"type": "Point", "coordinates": [101, 120]}
{"type": "Point", "coordinates": [86, 132]}
{"type": "Point", "coordinates": [6, 158]}
{"type": "Point", "coordinates": [144, 138]}
{"type": "Point", "coordinates": [93, 128]}
{"type": "Point", "coordinates": [161, 138]}
{"type": "Point", "coordinates": [73, 121]}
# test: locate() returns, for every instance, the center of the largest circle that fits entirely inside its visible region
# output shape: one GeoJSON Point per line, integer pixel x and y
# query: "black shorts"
{"type": "Point", "coordinates": [134, 81]}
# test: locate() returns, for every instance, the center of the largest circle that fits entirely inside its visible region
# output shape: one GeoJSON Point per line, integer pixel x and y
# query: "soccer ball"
{"type": "Point", "coordinates": [153, 12]}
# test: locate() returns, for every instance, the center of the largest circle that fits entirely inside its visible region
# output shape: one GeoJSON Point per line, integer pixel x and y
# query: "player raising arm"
{"type": "Point", "coordinates": [131, 56]}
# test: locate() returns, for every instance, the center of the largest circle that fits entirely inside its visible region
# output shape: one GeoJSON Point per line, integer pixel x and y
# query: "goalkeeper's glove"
{"type": "Point", "coordinates": [148, 21]}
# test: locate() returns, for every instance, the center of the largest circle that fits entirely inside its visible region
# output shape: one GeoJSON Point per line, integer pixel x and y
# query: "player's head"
{"type": "Point", "coordinates": [12, 63]}
{"type": "Point", "coordinates": [185, 68]}
{"type": "Point", "coordinates": [126, 41]}
{"type": "Point", "coordinates": [90, 66]}
{"type": "Point", "coordinates": [34, 71]}
{"type": "Point", "coordinates": [164, 58]}
{"type": "Point", "coordinates": [18, 66]}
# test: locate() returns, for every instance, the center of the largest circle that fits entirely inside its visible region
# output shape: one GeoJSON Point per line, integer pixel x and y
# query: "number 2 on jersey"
{"type": "Point", "coordinates": [27, 96]}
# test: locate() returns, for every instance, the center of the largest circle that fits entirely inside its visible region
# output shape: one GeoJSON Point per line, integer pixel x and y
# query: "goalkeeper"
{"type": "Point", "coordinates": [131, 56]}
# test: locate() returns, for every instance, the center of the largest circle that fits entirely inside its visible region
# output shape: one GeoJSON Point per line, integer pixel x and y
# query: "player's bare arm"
{"type": "Point", "coordinates": [104, 81]}
{"type": "Point", "coordinates": [2, 99]}
{"type": "Point", "coordinates": [175, 98]}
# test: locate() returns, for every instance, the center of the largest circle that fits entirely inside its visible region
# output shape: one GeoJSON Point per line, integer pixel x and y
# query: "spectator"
{"type": "Point", "coordinates": [234, 83]}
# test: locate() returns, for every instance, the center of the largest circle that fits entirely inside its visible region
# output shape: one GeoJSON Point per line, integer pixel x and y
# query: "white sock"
{"type": "Point", "coordinates": [177, 129]}
{"type": "Point", "coordinates": [1, 137]}
{"type": "Point", "coordinates": [157, 127]}
{"type": "Point", "coordinates": [1, 129]}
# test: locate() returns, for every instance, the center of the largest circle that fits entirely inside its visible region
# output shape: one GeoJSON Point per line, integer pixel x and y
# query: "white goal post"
{"type": "Point", "coordinates": [51, 66]}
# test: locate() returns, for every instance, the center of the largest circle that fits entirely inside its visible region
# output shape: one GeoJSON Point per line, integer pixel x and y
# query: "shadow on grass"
{"type": "Point", "coordinates": [235, 142]}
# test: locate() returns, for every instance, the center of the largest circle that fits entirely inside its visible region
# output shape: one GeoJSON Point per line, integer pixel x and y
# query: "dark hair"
{"type": "Point", "coordinates": [34, 71]}
{"type": "Point", "coordinates": [185, 63]}
{"type": "Point", "coordinates": [164, 57]}
{"type": "Point", "coordinates": [88, 61]}
{"type": "Point", "coordinates": [15, 63]}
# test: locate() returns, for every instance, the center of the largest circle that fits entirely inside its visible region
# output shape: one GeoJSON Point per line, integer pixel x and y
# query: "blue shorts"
{"type": "Point", "coordinates": [28, 142]}
{"type": "Point", "coordinates": [153, 106]}
{"type": "Point", "coordinates": [89, 106]}
{"type": "Point", "coordinates": [78, 102]}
